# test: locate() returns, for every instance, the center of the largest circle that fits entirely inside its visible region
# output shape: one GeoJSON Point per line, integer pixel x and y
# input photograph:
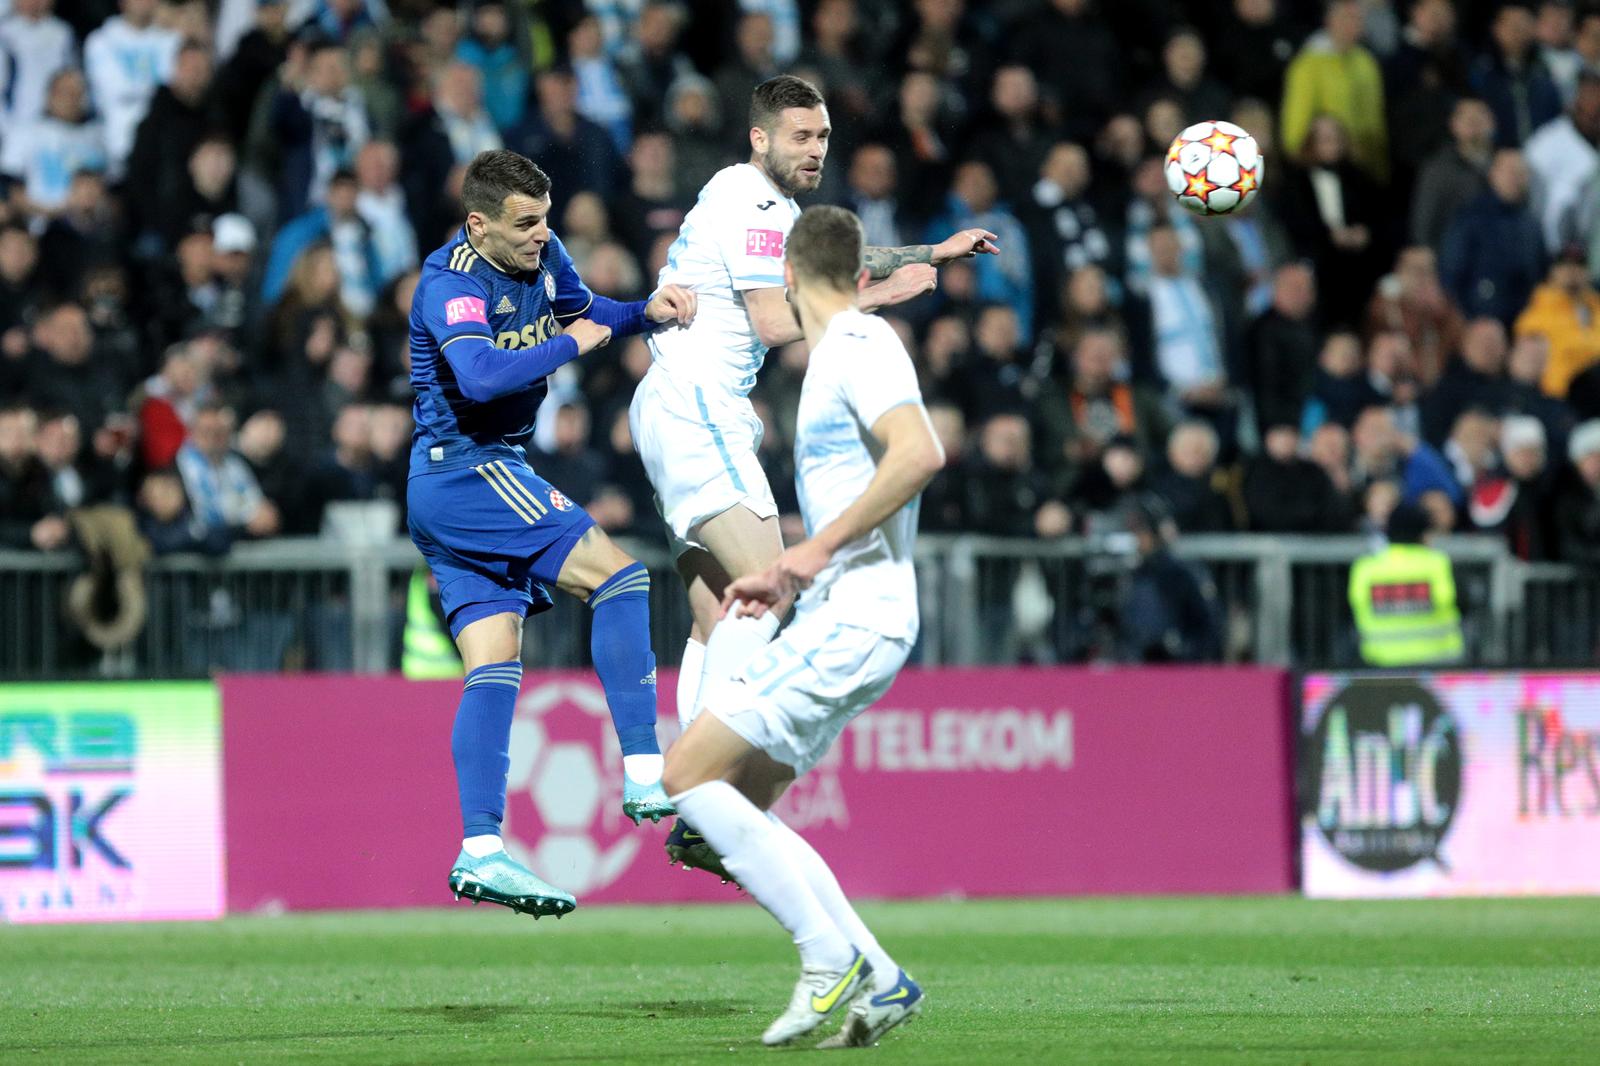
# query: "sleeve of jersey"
{"type": "Point", "coordinates": [879, 379]}
{"type": "Point", "coordinates": [574, 300]}
{"type": "Point", "coordinates": [752, 241]}
{"type": "Point", "coordinates": [456, 316]}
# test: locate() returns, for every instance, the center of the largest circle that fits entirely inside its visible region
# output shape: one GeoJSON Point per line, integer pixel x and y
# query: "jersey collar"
{"type": "Point", "coordinates": [486, 261]}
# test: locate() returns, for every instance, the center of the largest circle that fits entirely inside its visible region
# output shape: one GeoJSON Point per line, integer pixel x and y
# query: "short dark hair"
{"type": "Point", "coordinates": [825, 245]}
{"type": "Point", "coordinates": [495, 175]}
{"type": "Point", "coordinates": [775, 95]}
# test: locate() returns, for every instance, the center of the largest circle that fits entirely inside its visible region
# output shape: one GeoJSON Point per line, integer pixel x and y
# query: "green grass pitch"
{"type": "Point", "coordinates": [1256, 980]}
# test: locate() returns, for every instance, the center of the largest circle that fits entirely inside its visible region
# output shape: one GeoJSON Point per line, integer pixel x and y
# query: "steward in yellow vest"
{"type": "Point", "coordinates": [1404, 599]}
{"type": "Point", "coordinates": [427, 652]}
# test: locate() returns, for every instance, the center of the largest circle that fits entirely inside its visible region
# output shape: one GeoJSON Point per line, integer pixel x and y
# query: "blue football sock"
{"type": "Point", "coordinates": [480, 744]}
{"type": "Point", "coordinates": [620, 646]}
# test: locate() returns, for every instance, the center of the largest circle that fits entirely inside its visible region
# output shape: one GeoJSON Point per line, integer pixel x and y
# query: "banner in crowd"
{"type": "Point", "coordinates": [110, 802]}
{"type": "Point", "coordinates": [1450, 784]}
{"type": "Point", "coordinates": [970, 782]}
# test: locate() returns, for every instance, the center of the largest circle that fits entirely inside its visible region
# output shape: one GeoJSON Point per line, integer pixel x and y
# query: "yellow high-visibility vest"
{"type": "Point", "coordinates": [426, 650]}
{"type": "Point", "coordinates": [1404, 601]}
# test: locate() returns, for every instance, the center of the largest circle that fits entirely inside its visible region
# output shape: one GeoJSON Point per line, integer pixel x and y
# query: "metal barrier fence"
{"type": "Point", "coordinates": [311, 604]}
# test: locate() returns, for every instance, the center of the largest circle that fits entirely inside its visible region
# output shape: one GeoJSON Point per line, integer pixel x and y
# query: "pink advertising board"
{"type": "Point", "coordinates": [1450, 784]}
{"type": "Point", "coordinates": [972, 782]}
{"type": "Point", "coordinates": [110, 802]}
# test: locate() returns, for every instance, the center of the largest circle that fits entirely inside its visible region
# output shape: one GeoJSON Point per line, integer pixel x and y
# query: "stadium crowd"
{"type": "Point", "coordinates": [214, 216]}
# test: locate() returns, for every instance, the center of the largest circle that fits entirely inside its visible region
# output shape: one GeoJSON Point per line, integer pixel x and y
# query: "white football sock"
{"type": "Point", "coordinates": [735, 641]}
{"type": "Point", "coordinates": [689, 675]}
{"type": "Point", "coordinates": [764, 865]}
{"type": "Point", "coordinates": [479, 846]}
{"type": "Point", "coordinates": [643, 769]}
{"type": "Point", "coordinates": [885, 971]}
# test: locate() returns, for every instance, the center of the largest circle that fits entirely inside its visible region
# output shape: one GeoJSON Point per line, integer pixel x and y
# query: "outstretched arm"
{"type": "Point", "coordinates": [881, 262]}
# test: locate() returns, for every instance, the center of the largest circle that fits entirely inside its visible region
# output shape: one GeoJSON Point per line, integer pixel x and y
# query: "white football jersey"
{"type": "Point", "coordinates": [857, 372]}
{"type": "Point", "coordinates": [731, 241]}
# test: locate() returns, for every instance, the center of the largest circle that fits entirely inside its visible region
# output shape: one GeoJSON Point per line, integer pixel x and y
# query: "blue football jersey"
{"type": "Point", "coordinates": [460, 294]}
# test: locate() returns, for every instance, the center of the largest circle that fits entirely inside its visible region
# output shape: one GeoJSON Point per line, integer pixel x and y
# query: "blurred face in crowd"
{"type": "Point", "coordinates": [328, 72]}
{"type": "Point", "coordinates": [1571, 276]}
{"type": "Point", "coordinates": [1005, 442]}
{"type": "Point", "coordinates": [441, 30]}
{"type": "Point", "coordinates": [1163, 120]}
{"type": "Point", "coordinates": [18, 426]}
{"type": "Point", "coordinates": [872, 172]}
{"type": "Point", "coordinates": [951, 428]}
{"type": "Point", "coordinates": [1294, 290]}
{"type": "Point", "coordinates": [1340, 356]}
{"type": "Point", "coordinates": [341, 199]}
{"type": "Point", "coordinates": [1067, 167]}
{"type": "Point", "coordinates": [1122, 464]}
{"type": "Point", "coordinates": [1085, 293]}
{"type": "Point", "coordinates": [998, 334]}
{"type": "Point", "coordinates": [1553, 25]}
{"type": "Point", "coordinates": [754, 40]}
{"type": "Point", "coordinates": [1255, 12]}
{"type": "Point", "coordinates": [1283, 443]}
{"type": "Point", "coordinates": [1381, 499]}
{"type": "Point", "coordinates": [1375, 437]}
{"type": "Point", "coordinates": [32, 8]}
{"type": "Point", "coordinates": [835, 21]}
{"type": "Point", "coordinates": [941, 15]}
{"type": "Point", "coordinates": [1587, 41]}
{"type": "Point", "coordinates": [1586, 108]}
{"type": "Point", "coordinates": [1418, 271]}
{"type": "Point", "coordinates": [191, 74]}
{"type": "Point", "coordinates": [270, 16]}
{"type": "Point", "coordinates": [651, 157]}
{"type": "Point", "coordinates": [919, 98]}
{"type": "Point", "coordinates": [1192, 449]}
{"type": "Point", "coordinates": [1344, 22]}
{"type": "Point", "coordinates": [657, 28]}
{"type": "Point", "coordinates": [377, 165]}
{"type": "Point", "coordinates": [1015, 93]}
{"type": "Point", "coordinates": [58, 442]}
{"type": "Point", "coordinates": [1441, 510]}
{"type": "Point", "coordinates": [1474, 435]}
{"type": "Point", "coordinates": [1185, 59]}
{"type": "Point", "coordinates": [1528, 357]}
{"type": "Point", "coordinates": [584, 42]}
{"type": "Point", "coordinates": [1513, 31]}
{"type": "Point", "coordinates": [1525, 461]}
{"type": "Point", "coordinates": [1589, 468]}
{"type": "Point", "coordinates": [1389, 356]}
{"type": "Point", "coordinates": [572, 428]}
{"type": "Point", "coordinates": [1327, 144]}
{"type": "Point", "coordinates": [459, 90]}
{"type": "Point", "coordinates": [490, 25]}
{"type": "Point", "coordinates": [1433, 21]}
{"type": "Point", "coordinates": [352, 431]}
{"type": "Point", "coordinates": [211, 167]}
{"type": "Point", "coordinates": [86, 195]}
{"type": "Point", "coordinates": [262, 436]}
{"type": "Point", "coordinates": [585, 217]}
{"type": "Point", "coordinates": [1095, 361]}
{"type": "Point", "coordinates": [791, 151]}
{"type": "Point", "coordinates": [19, 254]}
{"type": "Point", "coordinates": [1330, 446]}
{"type": "Point", "coordinates": [1072, 8]}
{"type": "Point", "coordinates": [212, 432]}
{"type": "Point", "coordinates": [161, 496]}
{"type": "Point", "coordinates": [1166, 252]}
{"type": "Point", "coordinates": [1472, 126]}
{"type": "Point", "coordinates": [64, 333]}
{"type": "Point", "coordinates": [69, 97]}
{"type": "Point", "coordinates": [138, 12]}
{"type": "Point", "coordinates": [181, 371]}
{"type": "Point", "coordinates": [947, 339]}
{"type": "Point", "coordinates": [1484, 346]}
{"type": "Point", "coordinates": [1508, 176]}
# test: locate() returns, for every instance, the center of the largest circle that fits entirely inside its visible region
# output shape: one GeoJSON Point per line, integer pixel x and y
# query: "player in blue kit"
{"type": "Point", "coordinates": [498, 309]}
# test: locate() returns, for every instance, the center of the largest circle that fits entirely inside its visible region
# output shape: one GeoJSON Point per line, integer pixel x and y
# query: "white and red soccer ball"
{"type": "Point", "coordinates": [1214, 168]}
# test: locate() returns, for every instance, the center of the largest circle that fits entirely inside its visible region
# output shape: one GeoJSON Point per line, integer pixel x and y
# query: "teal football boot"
{"type": "Point", "coordinates": [645, 801]}
{"type": "Point", "coordinates": [499, 878]}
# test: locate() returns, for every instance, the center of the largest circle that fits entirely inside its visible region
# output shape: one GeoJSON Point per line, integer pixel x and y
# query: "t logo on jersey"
{"type": "Point", "coordinates": [464, 309]}
{"type": "Point", "coordinates": [763, 242]}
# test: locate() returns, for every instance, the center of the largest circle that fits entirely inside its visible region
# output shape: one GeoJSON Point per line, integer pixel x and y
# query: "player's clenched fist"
{"type": "Point", "coordinates": [908, 282]}
{"type": "Point", "coordinates": [672, 303]}
{"type": "Point", "coordinates": [589, 335]}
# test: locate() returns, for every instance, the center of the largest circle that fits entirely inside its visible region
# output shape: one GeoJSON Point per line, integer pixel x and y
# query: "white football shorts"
{"type": "Point", "coordinates": [699, 449]}
{"type": "Point", "coordinates": [796, 697]}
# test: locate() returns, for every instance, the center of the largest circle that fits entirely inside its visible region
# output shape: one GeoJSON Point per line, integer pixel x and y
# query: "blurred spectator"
{"type": "Point", "coordinates": [84, 233]}
{"type": "Point", "coordinates": [602, 99]}
{"type": "Point", "coordinates": [28, 514]}
{"type": "Point", "coordinates": [1014, 136]}
{"type": "Point", "coordinates": [1004, 491]}
{"type": "Point", "coordinates": [874, 196]}
{"type": "Point", "coordinates": [76, 479]}
{"type": "Point", "coordinates": [1281, 347]}
{"type": "Point", "coordinates": [20, 294]}
{"type": "Point", "coordinates": [1391, 377]}
{"type": "Point", "coordinates": [1455, 175]}
{"type": "Point", "coordinates": [1335, 77]}
{"type": "Point", "coordinates": [835, 51]}
{"type": "Point", "coordinates": [1577, 502]}
{"type": "Point", "coordinates": [180, 115]}
{"type": "Point", "coordinates": [127, 60]}
{"type": "Point", "coordinates": [1169, 611]}
{"type": "Point", "coordinates": [1515, 502]}
{"type": "Point", "coordinates": [696, 126]}
{"type": "Point", "coordinates": [1329, 448]}
{"type": "Point", "coordinates": [338, 20]}
{"type": "Point", "coordinates": [1511, 76]}
{"type": "Point", "coordinates": [460, 113]}
{"type": "Point", "coordinates": [751, 64]}
{"type": "Point", "coordinates": [1183, 61]}
{"type": "Point", "coordinates": [998, 381]}
{"type": "Point", "coordinates": [1285, 493]}
{"type": "Point", "coordinates": [67, 372]}
{"type": "Point", "coordinates": [1424, 79]}
{"type": "Point", "coordinates": [204, 191]}
{"type": "Point", "coordinates": [347, 470]}
{"type": "Point", "coordinates": [355, 251]}
{"type": "Point", "coordinates": [1087, 304]}
{"type": "Point", "coordinates": [1067, 233]}
{"type": "Point", "coordinates": [1080, 415]}
{"type": "Point", "coordinates": [166, 405]}
{"type": "Point", "coordinates": [1530, 352]}
{"type": "Point", "coordinates": [1554, 28]}
{"type": "Point", "coordinates": [1008, 279]}
{"type": "Point", "coordinates": [1187, 483]}
{"type": "Point", "coordinates": [1413, 302]}
{"type": "Point", "coordinates": [1100, 488]}
{"type": "Point", "coordinates": [221, 488]}
{"type": "Point", "coordinates": [1475, 380]}
{"type": "Point", "coordinates": [373, 75]}
{"type": "Point", "coordinates": [502, 71]}
{"type": "Point", "coordinates": [652, 205]}
{"type": "Point", "coordinates": [381, 203]}
{"type": "Point", "coordinates": [228, 301]}
{"type": "Point", "coordinates": [1564, 157]}
{"type": "Point", "coordinates": [944, 500]}
{"type": "Point", "coordinates": [1470, 448]}
{"type": "Point", "coordinates": [169, 524]}
{"type": "Point", "coordinates": [1075, 57]}
{"type": "Point", "coordinates": [308, 322]}
{"type": "Point", "coordinates": [44, 154]}
{"type": "Point", "coordinates": [573, 463]}
{"type": "Point", "coordinates": [651, 63]}
{"type": "Point", "coordinates": [263, 440]}
{"type": "Point", "coordinates": [36, 45]}
{"type": "Point", "coordinates": [1188, 352]}
{"type": "Point", "coordinates": [626, 477]}
{"type": "Point", "coordinates": [1252, 44]}
{"type": "Point", "coordinates": [1382, 452]}
{"type": "Point", "coordinates": [1335, 212]}
{"type": "Point", "coordinates": [251, 65]}
{"type": "Point", "coordinates": [916, 135]}
{"type": "Point", "coordinates": [577, 154]}
{"type": "Point", "coordinates": [311, 127]}
{"type": "Point", "coordinates": [1153, 205]}
{"type": "Point", "coordinates": [1565, 310]}
{"type": "Point", "coordinates": [1493, 255]}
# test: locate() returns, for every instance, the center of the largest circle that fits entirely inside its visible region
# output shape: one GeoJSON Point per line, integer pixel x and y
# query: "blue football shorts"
{"type": "Point", "coordinates": [494, 535]}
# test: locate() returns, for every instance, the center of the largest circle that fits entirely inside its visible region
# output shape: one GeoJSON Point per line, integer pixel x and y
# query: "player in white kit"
{"type": "Point", "coordinates": [864, 450]}
{"type": "Point", "coordinates": [691, 417]}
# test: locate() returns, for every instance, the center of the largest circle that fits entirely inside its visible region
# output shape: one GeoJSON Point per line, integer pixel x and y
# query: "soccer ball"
{"type": "Point", "coordinates": [1214, 168]}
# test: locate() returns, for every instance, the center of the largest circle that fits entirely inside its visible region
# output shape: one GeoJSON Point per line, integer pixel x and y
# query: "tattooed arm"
{"type": "Point", "coordinates": [881, 262]}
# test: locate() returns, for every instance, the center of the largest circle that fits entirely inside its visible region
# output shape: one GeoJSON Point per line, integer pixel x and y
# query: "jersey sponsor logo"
{"type": "Point", "coordinates": [464, 309]}
{"type": "Point", "coordinates": [505, 306]}
{"type": "Point", "coordinates": [559, 501]}
{"type": "Point", "coordinates": [536, 332]}
{"type": "Point", "coordinates": [763, 242]}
